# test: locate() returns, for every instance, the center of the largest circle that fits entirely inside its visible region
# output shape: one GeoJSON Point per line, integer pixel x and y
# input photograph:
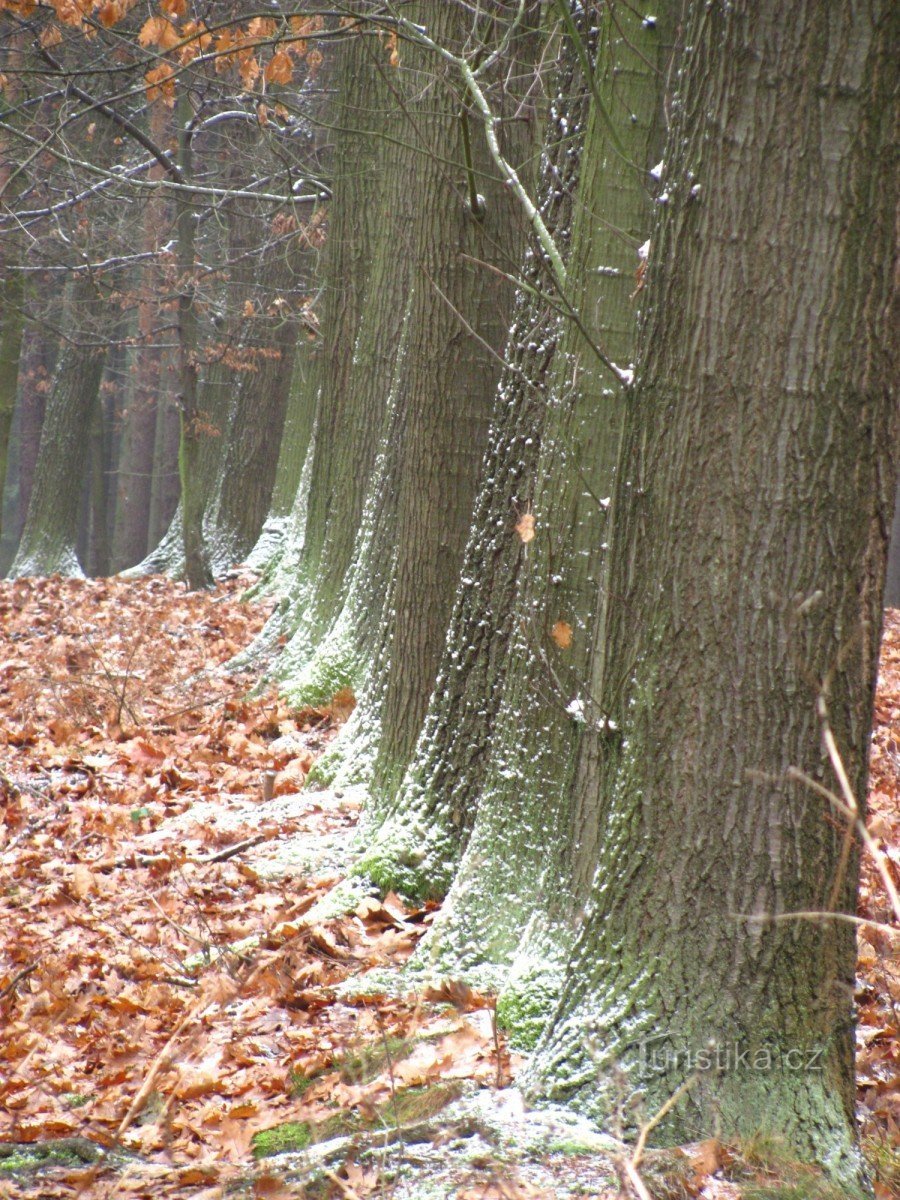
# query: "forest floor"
{"type": "Point", "coordinates": [183, 1013]}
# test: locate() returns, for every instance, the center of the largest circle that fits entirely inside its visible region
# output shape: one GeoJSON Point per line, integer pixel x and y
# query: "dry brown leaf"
{"type": "Point", "coordinates": [562, 634]}
{"type": "Point", "coordinates": [525, 527]}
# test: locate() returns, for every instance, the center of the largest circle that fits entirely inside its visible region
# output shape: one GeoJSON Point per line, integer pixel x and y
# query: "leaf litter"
{"type": "Point", "coordinates": [171, 1008]}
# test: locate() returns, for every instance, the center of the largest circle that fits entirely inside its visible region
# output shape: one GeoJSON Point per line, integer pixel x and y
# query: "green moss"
{"type": "Point", "coordinates": [408, 1106]}
{"type": "Point", "coordinates": [389, 874]}
{"type": "Point", "coordinates": [75, 1099]}
{"type": "Point", "coordinates": [281, 1139]}
{"type": "Point", "coordinates": [21, 1157]}
{"type": "Point", "coordinates": [332, 668]}
{"type": "Point", "coordinates": [523, 1008]}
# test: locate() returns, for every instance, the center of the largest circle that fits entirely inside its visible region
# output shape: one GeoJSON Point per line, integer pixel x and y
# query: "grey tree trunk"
{"type": "Point", "coordinates": [134, 475]}
{"type": "Point", "coordinates": [47, 544]}
{"type": "Point", "coordinates": [752, 513]}
{"type": "Point", "coordinates": [249, 463]}
{"type": "Point", "coordinates": [519, 885]}
{"type": "Point", "coordinates": [296, 442]}
{"type": "Point", "coordinates": [441, 393]}
{"type": "Point", "coordinates": [351, 378]}
{"type": "Point", "coordinates": [11, 329]}
{"type": "Point", "coordinates": [420, 831]}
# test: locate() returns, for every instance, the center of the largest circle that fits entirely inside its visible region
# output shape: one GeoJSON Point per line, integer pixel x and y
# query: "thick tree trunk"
{"type": "Point", "coordinates": [751, 516]}
{"type": "Point", "coordinates": [47, 545]}
{"type": "Point", "coordinates": [518, 886]}
{"type": "Point", "coordinates": [423, 828]}
{"type": "Point", "coordinates": [441, 395]}
{"type": "Point", "coordinates": [352, 371]}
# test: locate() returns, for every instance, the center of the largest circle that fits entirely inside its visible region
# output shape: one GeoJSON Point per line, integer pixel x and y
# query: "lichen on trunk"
{"type": "Point", "coordinates": [751, 517]}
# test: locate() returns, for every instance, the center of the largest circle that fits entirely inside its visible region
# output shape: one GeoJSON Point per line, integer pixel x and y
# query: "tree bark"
{"type": "Point", "coordinates": [752, 512]}
{"type": "Point", "coordinates": [11, 328]}
{"type": "Point", "coordinates": [351, 372]}
{"type": "Point", "coordinates": [134, 482]}
{"type": "Point", "coordinates": [420, 832]}
{"type": "Point", "coordinates": [47, 545]}
{"type": "Point", "coordinates": [441, 395]}
{"type": "Point", "coordinates": [518, 888]}
{"type": "Point", "coordinates": [250, 456]}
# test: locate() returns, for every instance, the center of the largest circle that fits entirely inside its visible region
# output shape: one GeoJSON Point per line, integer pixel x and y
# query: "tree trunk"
{"type": "Point", "coordinates": [11, 327]}
{"type": "Point", "coordinates": [134, 485]}
{"type": "Point", "coordinates": [250, 457]}
{"type": "Point", "coordinates": [441, 395]}
{"type": "Point", "coordinates": [291, 474]}
{"type": "Point", "coordinates": [352, 371]}
{"type": "Point", "coordinates": [166, 488]}
{"type": "Point", "coordinates": [47, 545]}
{"type": "Point", "coordinates": [751, 513]}
{"type": "Point", "coordinates": [518, 885]}
{"type": "Point", "coordinates": [422, 830]}
{"type": "Point", "coordinates": [892, 583]}
{"type": "Point", "coordinates": [36, 369]}
{"type": "Point", "coordinates": [197, 570]}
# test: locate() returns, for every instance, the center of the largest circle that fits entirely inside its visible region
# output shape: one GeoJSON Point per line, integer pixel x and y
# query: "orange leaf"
{"type": "Point", "coordinates": [158, 31]}
{"type": "Point", "coordinates": [562, 634]}
{"type": "Point", "coordinates": [525, 527]}
{"type": "Point", "coordinates": [279, 68]}
{"type": "Point", "coordinates": [108, 14]}
{"type": "Point", "coordinates": [161, 84]}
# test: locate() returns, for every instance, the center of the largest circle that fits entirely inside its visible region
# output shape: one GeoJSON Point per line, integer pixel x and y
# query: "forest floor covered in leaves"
{"type": "Point", "coordinates": [175, 993]}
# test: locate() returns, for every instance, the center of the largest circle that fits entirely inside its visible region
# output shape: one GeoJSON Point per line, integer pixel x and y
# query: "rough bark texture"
{"type": "Point", "coordinates": [516, 885]}
{"type": "Point", "coordinates": [441, 394]}
{"type": "Point", "coordinates": [420, 832]}
{"type": "Point", "coordinates": [47, 545]}
{"type": "Point", "coordinates": [892, 583]}
{"type": "Point", "coordinates": [352, 370]}
{"type": "Point", "coordinates": [751, 514]}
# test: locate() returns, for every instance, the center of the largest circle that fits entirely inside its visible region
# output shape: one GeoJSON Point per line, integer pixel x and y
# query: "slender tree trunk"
{"type": "Point", "coordinates": [47, 545]}
{"type": "Point", "coordinates": [295, 450]}
{"type": "Point", "coordinates": [197, 570]}
{"type": "Point", "coordinates": [36, 368]}
{"type": "Point", "coordinates": [166, 487]}
{"type": "Point", "coordinates": [751, 515]}
{"type": "Point", "coordinates": [11, 327]}
{"type": "Point", "coordinates": [97, 528]}
{"type": "Point", "coordinates": [135, 463]}
{"type": "Point", "coordinates": [250, 456]}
